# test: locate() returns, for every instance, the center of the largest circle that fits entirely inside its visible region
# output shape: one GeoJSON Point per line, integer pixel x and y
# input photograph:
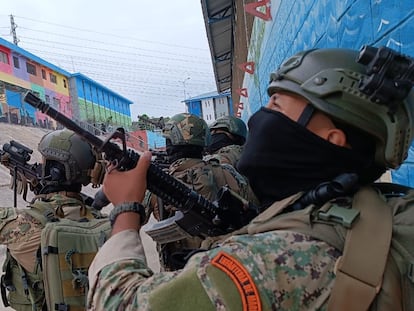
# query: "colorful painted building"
{"type": "Point", "coordinates": [75, 95]}
{"type": "Point", "coordinates": [21, 71]}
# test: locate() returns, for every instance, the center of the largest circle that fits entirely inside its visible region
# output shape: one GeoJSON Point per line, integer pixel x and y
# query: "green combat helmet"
{"type": "Point", "coordinates": [232, 125]}
{"type": "Point", "coordinates": [329, 79]}
{"type": "Point", "coordinates": [187, 129]}
{"type": "Point", "coordinates": [70, 150]}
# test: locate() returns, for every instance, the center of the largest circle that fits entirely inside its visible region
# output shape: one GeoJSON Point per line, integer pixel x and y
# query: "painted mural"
{"type": "Point", "coordinates": [75, 95]}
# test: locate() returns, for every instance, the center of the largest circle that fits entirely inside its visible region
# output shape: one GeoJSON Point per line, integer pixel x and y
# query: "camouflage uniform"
{"type": "Point", "coordinates": [20, 232]}
{"type": "Point", "coordinates": [274, 270]}
{"type": "Point", "coordinates": [227, 155]}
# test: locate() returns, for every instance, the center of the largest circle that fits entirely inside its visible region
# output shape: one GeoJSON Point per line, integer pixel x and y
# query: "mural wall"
{"type": "Point", "coordinates": [75, 95]}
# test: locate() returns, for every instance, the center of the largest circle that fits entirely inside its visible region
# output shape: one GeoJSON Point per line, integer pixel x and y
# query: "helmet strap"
{"type": "Point", "coordinates": [306, 115]}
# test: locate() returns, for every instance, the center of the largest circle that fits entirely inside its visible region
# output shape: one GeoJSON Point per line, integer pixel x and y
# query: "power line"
{"type": "Point", "coordinates": [108, 34]}
{"type": "Point", "coordinates": [147, 75]}
{"type": "Point", "coordinates": [106, 44]}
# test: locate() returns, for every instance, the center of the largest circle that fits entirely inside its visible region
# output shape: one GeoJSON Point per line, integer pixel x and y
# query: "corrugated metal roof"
{"type": "Point", "coordinates": [213, 94]}
{"type": "Point", "coordinates": [228, 30]}
{"type": "Point", "coordinates": [218, 18]}
{"type": "Point", "coordinates": [81, 76]}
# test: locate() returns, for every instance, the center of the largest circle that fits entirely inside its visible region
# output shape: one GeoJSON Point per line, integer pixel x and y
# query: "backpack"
{"type": "Point", "coordinates": [67, 248]}
{"type": "Point", "coordinates": [376, 269]}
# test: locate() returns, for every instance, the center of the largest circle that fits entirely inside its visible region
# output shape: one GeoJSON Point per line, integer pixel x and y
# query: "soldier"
{"type": "Point", "coordinates": [186, 136]}
{"type": "Point", "coordinates": [312, 155]}
{"type": "Point", "coordinates": [228, 135]}
{"type": "Point", "coordinates": [68, 163]}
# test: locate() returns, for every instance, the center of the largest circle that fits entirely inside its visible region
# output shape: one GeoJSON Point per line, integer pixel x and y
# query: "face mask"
{"type": "Point", "coordinates": [281, 157]}
{"type": "Point", "coordinates": [219, 140]}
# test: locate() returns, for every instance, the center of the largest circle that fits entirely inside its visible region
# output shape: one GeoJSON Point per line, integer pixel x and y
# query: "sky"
{"type": "Point", "coordinates": [154, 53]}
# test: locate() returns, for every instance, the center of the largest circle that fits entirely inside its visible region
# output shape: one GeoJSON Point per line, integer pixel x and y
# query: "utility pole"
{"type": "Point", "coordinates": [183, 82]}
{"type": "Point", "coordinates": [13, 27]}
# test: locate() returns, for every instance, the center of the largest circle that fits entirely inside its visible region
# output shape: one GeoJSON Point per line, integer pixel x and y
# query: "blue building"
{"type": "Point", "coordinates": [210, 106]}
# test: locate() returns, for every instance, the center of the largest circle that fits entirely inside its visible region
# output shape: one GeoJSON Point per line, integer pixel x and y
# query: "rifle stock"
{"type": "Point", "coordinates": [200, 217]}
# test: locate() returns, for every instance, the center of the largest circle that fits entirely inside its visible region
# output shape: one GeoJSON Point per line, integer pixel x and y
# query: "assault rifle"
{"type": "Point", "coordinates": [25, 176]}
{"type": "Point", "coordinates": [160, 158]}
{"type": "Point", "coordinates": [196, 216]}
{"type": "Point", "coordinates": [15, 156]}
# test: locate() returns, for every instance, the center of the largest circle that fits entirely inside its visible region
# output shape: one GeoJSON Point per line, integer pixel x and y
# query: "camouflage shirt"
{"type": "Point", "coordinates": [275, 270]}
{"type": "Point", "coordinates": [20, 231]}
{"type": "Point", "coordinates": [228, 155]}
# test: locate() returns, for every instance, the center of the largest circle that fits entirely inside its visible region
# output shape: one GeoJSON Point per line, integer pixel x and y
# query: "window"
{"type": "Point", "coordinates": [64, 83]}
{"type": "Point", "coordinates": [52, 78]}
{"type": "Point", "coordinates": [44, 74]}
{"type": "Point", "coordinates": [31, 68]}
{"type": "Point", "coordinates": [47, 99]}
{"type": "Point", "coordinates": [16, 62]}
{"type": "Point", "coordinates": [4, 58]}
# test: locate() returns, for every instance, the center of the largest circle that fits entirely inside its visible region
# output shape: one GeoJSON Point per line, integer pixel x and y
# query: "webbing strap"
{"type": "Point", "coordinates": [360, 270]}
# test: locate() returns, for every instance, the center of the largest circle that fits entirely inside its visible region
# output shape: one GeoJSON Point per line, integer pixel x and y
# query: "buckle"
{"type": "Point", "coordinates": [340, 215]}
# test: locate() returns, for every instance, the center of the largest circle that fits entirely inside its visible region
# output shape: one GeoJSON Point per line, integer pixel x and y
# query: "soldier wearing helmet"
{"type": "Point", "coordinates": [68, 164]}
{"type": "Point", "coordinates": [228, 135]}
{"type": "Point", "coordinates": [186, 137]}
{"type": "Point", "coordinates": [323, 240]}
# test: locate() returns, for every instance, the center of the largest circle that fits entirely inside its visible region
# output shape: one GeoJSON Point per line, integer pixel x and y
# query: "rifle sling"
{"type": "Point", "coordinates": [365, 246]}
{"type": "Point", "coordinates": [361, 267]}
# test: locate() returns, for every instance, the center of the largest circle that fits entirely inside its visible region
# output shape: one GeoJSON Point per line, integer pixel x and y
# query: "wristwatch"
{"type": "Point", "coordinates": [133, 207]}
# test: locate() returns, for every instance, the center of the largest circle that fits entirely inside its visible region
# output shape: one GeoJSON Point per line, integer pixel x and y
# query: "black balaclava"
{"type": "Point", "coordinates": [218, 141]}
{"type": "Point", "coordinates": [176, 152]}
{"type": "Point", "coordinates": [281, 157]}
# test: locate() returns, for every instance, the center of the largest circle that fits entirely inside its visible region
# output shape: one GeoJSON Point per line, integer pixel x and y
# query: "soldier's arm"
{"type": "Point", "coordinates": [120, 280]}
{"type": "Point", "coordinates": [269, 271]}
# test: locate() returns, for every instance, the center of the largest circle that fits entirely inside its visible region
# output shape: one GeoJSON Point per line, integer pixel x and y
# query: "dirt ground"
{"type": "Point", "coordinates": [30, 137]}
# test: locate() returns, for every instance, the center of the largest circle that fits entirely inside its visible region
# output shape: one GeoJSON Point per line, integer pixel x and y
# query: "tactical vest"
{"type": "Point", "coordinates": [375, 233]}
{"type": "Point", "coordinates": [67, 248]}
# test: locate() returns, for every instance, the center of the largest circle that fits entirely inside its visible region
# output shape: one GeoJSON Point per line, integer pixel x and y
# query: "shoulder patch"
{"type": "Point", "coordinates": [241, 278]}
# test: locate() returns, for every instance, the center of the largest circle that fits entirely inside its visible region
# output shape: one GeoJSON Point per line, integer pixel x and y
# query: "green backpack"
{"type": "Point", "coordinates": [68, 248]}
{"type": "Point", "coordinates": [66, 251]}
